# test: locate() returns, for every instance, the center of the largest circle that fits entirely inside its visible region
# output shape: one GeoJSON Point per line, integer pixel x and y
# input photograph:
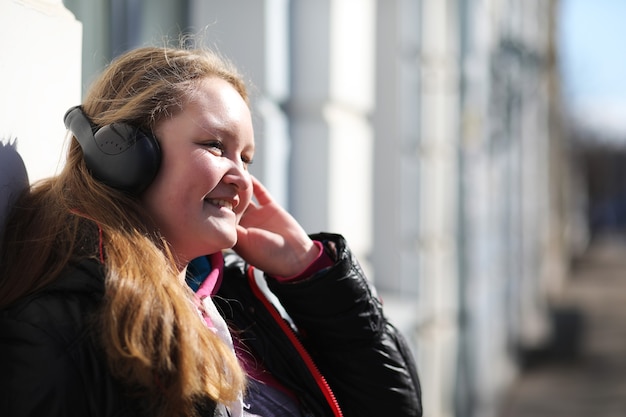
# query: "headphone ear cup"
{"type": "Point", "coordinates": [119, 155]}
{"type": "Point", "coordinates": [128, 158]}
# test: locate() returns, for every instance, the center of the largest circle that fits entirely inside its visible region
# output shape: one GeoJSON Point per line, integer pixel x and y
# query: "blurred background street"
{"type": "Point", "coordinates": [589, 377]}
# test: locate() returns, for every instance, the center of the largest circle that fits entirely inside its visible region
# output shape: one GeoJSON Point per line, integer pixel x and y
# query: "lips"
{"type": "Point", "coordinates": [221, 203]}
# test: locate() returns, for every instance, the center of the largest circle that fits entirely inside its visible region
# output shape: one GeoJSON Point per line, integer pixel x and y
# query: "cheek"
{"type": "Point", "coordinates": [183, 176]}
{"type": "Point", "coordinates": [164, 194]}
{"type": "Point", "coordinates": [155, 201]}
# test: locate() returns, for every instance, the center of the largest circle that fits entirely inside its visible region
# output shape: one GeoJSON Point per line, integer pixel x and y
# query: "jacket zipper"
{"type": "Point", "coordinates": [289, 332]}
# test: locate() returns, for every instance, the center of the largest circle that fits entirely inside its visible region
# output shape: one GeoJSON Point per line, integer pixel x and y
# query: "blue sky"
{"type": "Point", "coordinates": [593, 51]}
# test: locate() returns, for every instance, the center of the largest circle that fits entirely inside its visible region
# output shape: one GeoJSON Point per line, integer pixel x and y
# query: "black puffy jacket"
{"type": "Point", "coordinates": [50, 362]}
{"type": "Point", "coordinates": [344, 342]}
{"type": "Point", "coordinates": [345, 358]}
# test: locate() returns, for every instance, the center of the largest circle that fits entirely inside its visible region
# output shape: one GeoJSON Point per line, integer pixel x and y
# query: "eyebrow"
{"type": "Point", "coordinates": [223, 131]}
{"type": "Point", "coordinates": [216, 130]}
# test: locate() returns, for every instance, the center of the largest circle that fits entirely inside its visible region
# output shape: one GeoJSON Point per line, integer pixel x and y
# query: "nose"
{"type": "Point", "coordinates": [238, 175]}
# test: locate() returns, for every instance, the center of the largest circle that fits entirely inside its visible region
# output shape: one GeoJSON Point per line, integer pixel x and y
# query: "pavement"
{"type": "Point", "coordinates": [592, 382]}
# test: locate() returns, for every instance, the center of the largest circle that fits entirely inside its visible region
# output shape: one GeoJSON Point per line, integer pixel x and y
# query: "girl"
{"type": "Point", "coordinates": [121, 295]}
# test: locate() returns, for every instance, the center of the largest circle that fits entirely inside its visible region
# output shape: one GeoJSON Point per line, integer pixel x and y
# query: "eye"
{"type": "Point", "coordinates": [215, 146]}
{"type": "Point", "coordinates": [246, 160]}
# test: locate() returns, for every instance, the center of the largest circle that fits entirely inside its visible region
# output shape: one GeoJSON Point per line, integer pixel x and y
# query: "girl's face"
{"type": "Point", "coordinates": [203, 185]}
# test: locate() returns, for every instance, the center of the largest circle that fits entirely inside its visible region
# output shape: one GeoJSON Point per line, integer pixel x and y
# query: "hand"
{"type": "Point", "coordinates": [269, 238]}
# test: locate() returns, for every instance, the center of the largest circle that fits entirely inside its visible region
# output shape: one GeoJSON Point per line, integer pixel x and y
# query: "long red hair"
{"type": "Point", "coordinates": [150, 329]}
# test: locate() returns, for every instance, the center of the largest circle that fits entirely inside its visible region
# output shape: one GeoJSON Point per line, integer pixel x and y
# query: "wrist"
{"type": "Point", "coordinates": [311, 262]}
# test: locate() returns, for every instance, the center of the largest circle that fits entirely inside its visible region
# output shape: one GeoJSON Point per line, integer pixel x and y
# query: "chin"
{"type": "Point", "coordinates": [227, 242]}
{"type": "Point", "coordinates": [231, 245]}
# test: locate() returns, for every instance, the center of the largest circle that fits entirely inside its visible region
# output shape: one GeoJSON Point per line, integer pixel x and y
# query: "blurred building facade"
{"type": "Point", "coordinates": [426, 131]}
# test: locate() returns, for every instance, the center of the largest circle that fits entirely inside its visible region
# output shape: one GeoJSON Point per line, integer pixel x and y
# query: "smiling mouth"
{"type": "Point", "coordinates": [220, 203]}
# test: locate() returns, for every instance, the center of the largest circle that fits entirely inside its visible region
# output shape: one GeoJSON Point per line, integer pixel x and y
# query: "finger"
{"type": "Point", "coordinates": [250, 217]}
{"type": "Point", "coordinates": [241, 232]}
{"type": "Point", "coordinates": [260, 192]}
{"type": "Point", "coordinates": [247, 215]}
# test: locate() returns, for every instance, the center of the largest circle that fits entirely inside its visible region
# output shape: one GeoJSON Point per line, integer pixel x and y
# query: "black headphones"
{"type": "Point", "coordinates": [119, 155]}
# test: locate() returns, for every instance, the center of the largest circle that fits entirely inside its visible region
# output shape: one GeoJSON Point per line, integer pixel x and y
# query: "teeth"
{"type": "Point", "coordinates": [221, 203]}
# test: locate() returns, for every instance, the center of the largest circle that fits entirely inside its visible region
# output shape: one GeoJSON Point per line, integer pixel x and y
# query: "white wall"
{"type": "Point", "coordinates": [311, 63]}
{"type": "Point", "coordinates": [416, 185]}
{"type": "Point", "coordinates": [41, 74]}
{"type": "Point", "coordinates": [332, 96]}
{"type": "Point", "coordinates": [257, 42]}
{"type": "Point", "coordinates": [364, 128]}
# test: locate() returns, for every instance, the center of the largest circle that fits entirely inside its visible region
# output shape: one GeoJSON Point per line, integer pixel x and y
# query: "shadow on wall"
{"type": "Point", "coordinates": [13, 177]}
{"type": "Point", "coordinates": [565, 342]}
